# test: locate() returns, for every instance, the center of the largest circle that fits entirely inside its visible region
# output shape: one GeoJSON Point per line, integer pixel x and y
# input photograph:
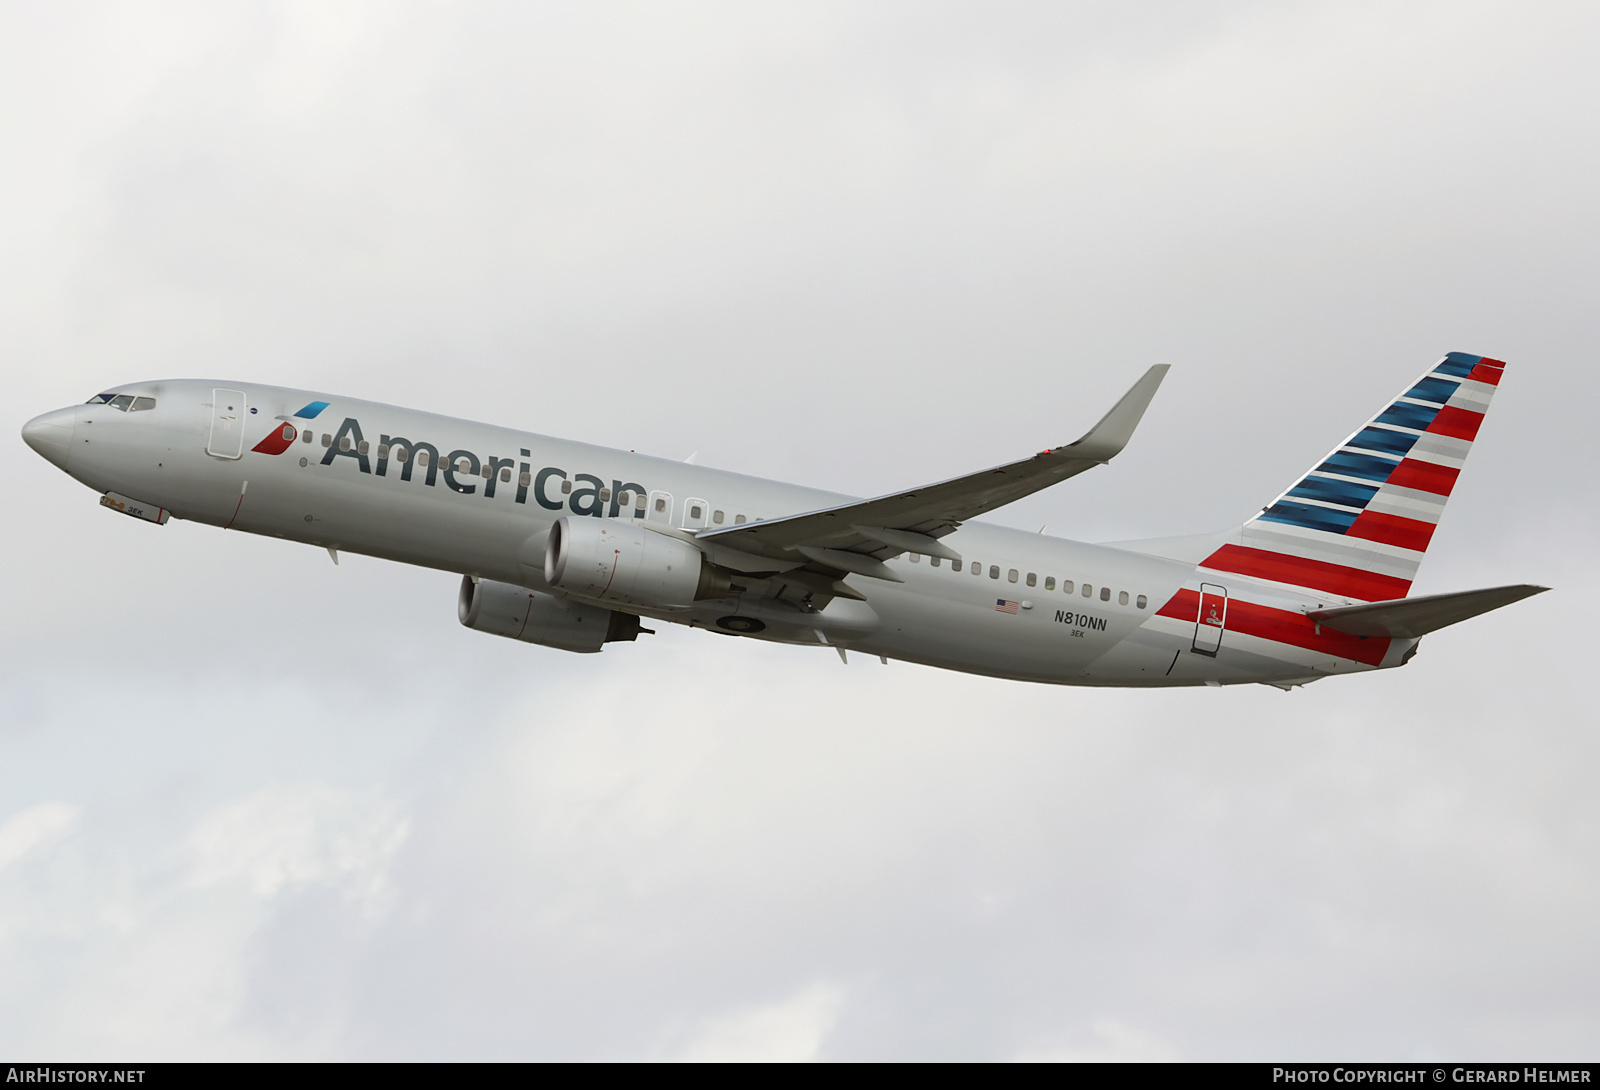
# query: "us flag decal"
{"type": "Point", "coordinates": [1005, 605]}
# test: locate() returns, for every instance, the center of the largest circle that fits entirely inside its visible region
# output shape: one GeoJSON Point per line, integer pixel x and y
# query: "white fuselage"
{"type": "Point", "coordinates": [1004, 613]}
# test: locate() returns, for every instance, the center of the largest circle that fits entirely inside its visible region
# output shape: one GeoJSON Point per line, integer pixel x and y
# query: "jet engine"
{"type": "Point", "coordinates": [522, 614]}
{"type": "Point", "coordinates": [612, 561]}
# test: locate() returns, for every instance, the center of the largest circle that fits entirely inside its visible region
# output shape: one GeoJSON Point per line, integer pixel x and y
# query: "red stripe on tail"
{"type": "Point", "coordinates": [1456, 423]}
{"type": "Point", "coordinates": [1298, 571]}
{"type": "Point", "coordinates": [1488, 372]}
{"type": "Point", "coordinates": [1424, 476]}
{"type": "Point", "coordinates": [1392, 530]}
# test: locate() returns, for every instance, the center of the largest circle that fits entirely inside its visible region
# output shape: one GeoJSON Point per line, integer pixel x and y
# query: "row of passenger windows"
{"type": "Point", "coordinates": [696, 513]}
{"type": "Point", "coordinates": [1032, 580]}
{"type": "Point", "coordinates": [126, 403]}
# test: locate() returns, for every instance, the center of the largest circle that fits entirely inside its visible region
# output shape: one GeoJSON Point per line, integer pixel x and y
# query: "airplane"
{"type": "Point", "coordinates": [572, 546]}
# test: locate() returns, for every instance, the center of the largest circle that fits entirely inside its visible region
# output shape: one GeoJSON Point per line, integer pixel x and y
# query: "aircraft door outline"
{"type": "Point", "coordinates": [695, 513]}
{"type": "Point", "coordinates": [226, 437]}
{"type": "Point", "coordinates": [1212, 619]}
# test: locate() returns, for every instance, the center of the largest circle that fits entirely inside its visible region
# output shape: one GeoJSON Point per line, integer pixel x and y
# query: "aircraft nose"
{"type": "Point", "coordinates": [51, 435]}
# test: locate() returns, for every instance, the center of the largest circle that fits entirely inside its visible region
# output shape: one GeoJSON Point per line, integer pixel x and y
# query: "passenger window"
{"type": "Point", "coordinates": [661, 505]}
{"type": "Point", "coordinates": [1141, 601]}
{"type": "Point", "coordinates": [403, 455]}
{"type": "Point", "coordinates": [624, 498]}
{"type": "Point", "coordinates": [344, 444]}
{"type": "Point", "coordinates": [310, 435]}
{"type": "Point", "coordinates": [1105, 594]}
{"type": "Point", "coordinates": [694, 512]}
{"type": "Point", "coordinates": [1088, 591]}
{"type": "Point", "coordinates": [327, 439]}
{"type": "Point", "coordinates": [1011, 576]}
{"type": "Point", "coordinates": [716, 517]}
{"type": "Point", "coordinates": [994, 571]}
{"type": "Point", "coordinates": [422, 458]}
{"type": "Point", "coordinates": [933, 561]}
{"type": "Point", "coordinates": [140, 404]}
{"type": "Point", "coordinates": [525, 479]}
{"type": "Point", "coordinates": [1049, 582]}
{"type": "Point", "coordinates": [916, 558]}
{"type": "Point", "coordinates": [383, 450]}
{"type": "Point", "coordinates": [977, 568]}
{"type": "Point", "coordinates": [738, 520]}
{"type": "Point", "coordinates": [1033, 580]}
{"type": "Point", "coordinates": [121, 402]}
{"type": "Point", "coordinates": [1066, 586]}
{"type": "Point", "coordinates": [605, 495]}
{"type": "Point", "coordinates": [638, 502]}
{"type": "Point", "coordinates": [362, 447]}
{"type": "Point", "coordinates": [1122, 597]}
{"type": "Point", "coordinates": [463, 466]}
{"type": "Point", "coordinates": [566, 488]}
{"type": "Point", "coordinates": [505, 475]}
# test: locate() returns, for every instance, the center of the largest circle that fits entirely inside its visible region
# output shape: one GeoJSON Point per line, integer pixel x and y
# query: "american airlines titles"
{"type": "Point", "coordinates": [592, 498]}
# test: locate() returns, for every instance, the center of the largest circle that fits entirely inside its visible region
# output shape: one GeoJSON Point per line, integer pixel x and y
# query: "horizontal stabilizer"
{"type": "Point", "coordinates": [1410, 618]}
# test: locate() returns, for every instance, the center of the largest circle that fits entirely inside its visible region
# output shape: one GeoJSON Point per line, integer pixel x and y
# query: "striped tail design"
{"type": "Point", "coordinates": [1357, 525]}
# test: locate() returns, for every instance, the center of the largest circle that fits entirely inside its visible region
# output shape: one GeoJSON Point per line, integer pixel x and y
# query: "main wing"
{"type": "Point", "coordinates": [857, 537]}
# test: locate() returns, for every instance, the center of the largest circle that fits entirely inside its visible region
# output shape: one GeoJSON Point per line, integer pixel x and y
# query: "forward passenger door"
{"type": "Point", "coordinates": [226, 437]}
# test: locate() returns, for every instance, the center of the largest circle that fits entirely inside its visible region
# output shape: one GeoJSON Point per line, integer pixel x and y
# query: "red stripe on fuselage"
{"type": "Point", "coordinates": [1424, 476]}
{"type": "Point", "coordinates": [1456, 423]}
{"type": "Point", "coordinates": [1392, 530]}
{"type": "Point", "coordinates": [1298, 571]}
{"type": "Point", "coordinates": [1282, 626]}
{"type": "Point", "coordinates": [1183, 606]}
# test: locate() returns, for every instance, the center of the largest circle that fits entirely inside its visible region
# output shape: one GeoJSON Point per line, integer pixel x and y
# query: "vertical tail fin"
{"type": "Point", "coordinates": [1356, 525]}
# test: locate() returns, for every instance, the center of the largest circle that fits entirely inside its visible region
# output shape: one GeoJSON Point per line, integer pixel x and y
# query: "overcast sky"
{"type": "Point", "coordinates": [256, 806]}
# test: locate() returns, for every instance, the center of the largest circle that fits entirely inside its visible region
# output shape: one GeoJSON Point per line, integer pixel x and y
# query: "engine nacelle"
{"type": "Point", "coordinates": [522, 614]}
{"type": "Point", "coordinates": [613, 561]}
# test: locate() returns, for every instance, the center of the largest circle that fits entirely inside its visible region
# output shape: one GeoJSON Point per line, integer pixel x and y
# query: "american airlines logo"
{"type": "Point", "coordinates": [463, 471]}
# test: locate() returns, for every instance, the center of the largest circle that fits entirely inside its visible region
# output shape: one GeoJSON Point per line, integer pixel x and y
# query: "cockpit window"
{"type": "Point", "coordinates": [126, 403]}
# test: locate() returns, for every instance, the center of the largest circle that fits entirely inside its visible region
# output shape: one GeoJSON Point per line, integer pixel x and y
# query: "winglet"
{"type": "Point", "coordinates": [1106, 439]}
